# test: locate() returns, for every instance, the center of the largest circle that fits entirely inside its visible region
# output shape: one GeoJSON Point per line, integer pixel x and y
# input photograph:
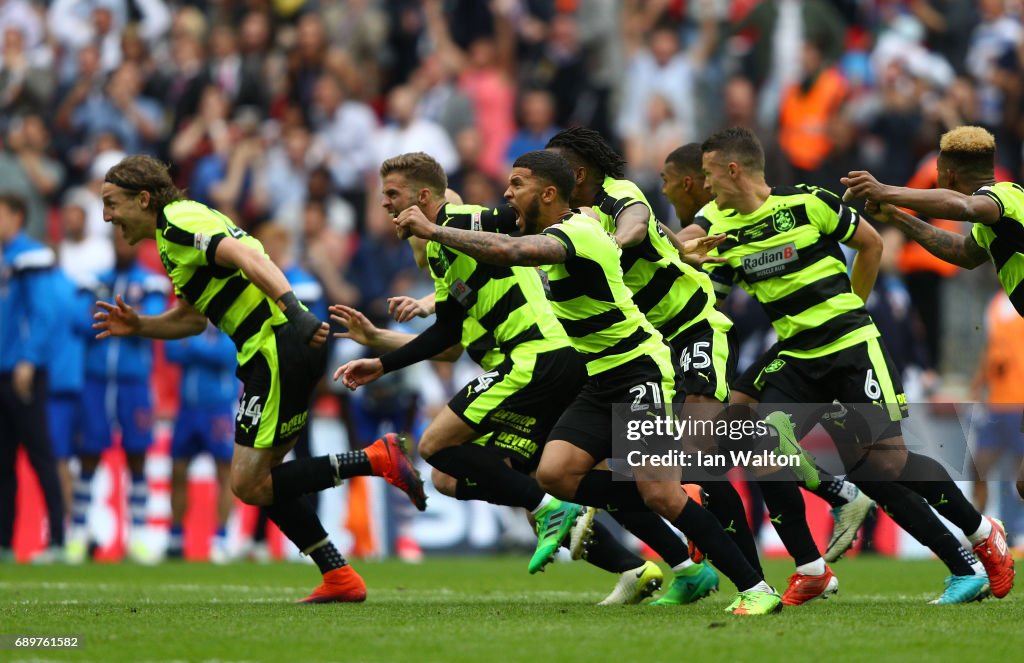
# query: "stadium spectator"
{"type": "Point", "coordinates": [991, 58]}
{"type": "Point", "coordinates": [440, 100]}
{"type": "Point", "coordinates": [809, 104]}
{"type": "Point", "coordinates": [243, 85]}
{"type": "Point", "coordinates": [998, 384]}
{"type": "Point", "coordinates": [82, 256]}
{"type": "Point", "coordinates": [664, 69]}
{"type": "Point", "coordinates": [67, 379]}
{"type": "Point", "coordinates": [182, 69]}
{"type": "Point", "coordinates": [27, 319]}
{"type": "Point", "coordinates": [559, 65]}
{"type": "Point", "coordinates": [536, 122]}
{"type": "Point", "coordinates": [236, 182]}
{"type": "Point", "coordinates": [117, 397]}
{"type": "Point", "coordinates": [20, 15]}
{"type": "Point", "coordinates": [645, 151]}
{"type": "Point", "coordinates": [346, 127]}
{"type": "Point", "coordinates": [406, 131]}
{"type": "Point", "coordinates": [137, 121]}
{"type": "Point", "coordinates": [205, 133]}
{"type": "Point", "coordinates": [26, 80]}
{"type": "Point", "coordinates": [739, 107]}
{"type": "Point", "coordinates": [483, 71]}
{"type": "Point", "coordinates": [27, 171]}
{"type": "Point", "coordinates": [205, 423]}
{"type": "Point", "coordinates": [773, 60]}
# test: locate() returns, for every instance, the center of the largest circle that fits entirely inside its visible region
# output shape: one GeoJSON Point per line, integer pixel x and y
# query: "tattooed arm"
{"type": "Point", "coordinates": [497, 249]}
{"type": "Point", "coordinates": [933, 203]}
{"type": "Point", "coordinates": [493, 248]}
{"type": "Point", "coordinates": [952, 247]}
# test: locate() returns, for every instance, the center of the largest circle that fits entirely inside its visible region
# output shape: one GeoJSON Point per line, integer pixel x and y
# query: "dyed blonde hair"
{"type": "Point", "coordinates": [969, 149]}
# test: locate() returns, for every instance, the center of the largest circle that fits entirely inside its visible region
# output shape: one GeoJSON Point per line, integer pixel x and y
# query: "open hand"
{"type": "Point", "coordinates": [359, 327]}
{"type": "Point", "coordinates": [359, 372]}
{"type": "Point", "coordinates": [404, 308]}
{"type": "Point", "coordinates": [117, 319]}
{"type": "Point", "coordinates": [695, 251]}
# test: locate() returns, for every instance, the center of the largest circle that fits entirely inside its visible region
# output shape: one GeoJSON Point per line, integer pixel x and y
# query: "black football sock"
{"type": "Point", "coordinates": [831, 490]}
{"type": "Point", "coordinates": [597, 488]}
{"type": "Point", "coordinates": [926, 477]}
{"type": "Point", "coordinates": [298, 521]}
{"type": "Point", "coordinates": [725, 504]}
{"type": "Point", "coordinates": [650, 528]}
{"type": "Point", "coordinates": [788, 515]}
{"type": "Point", "coordinates": [701, 527]}
{"type": "Point", "coordinates": [499, 482]}
{"type": "Point", "coordinates": [301, 476]}
{"type": "Point", "coordinates": [327, 557]}
{"type": "Point", "coordinates": [910, 511]}
{"type": "Point", "coordinates": [467, 490]}
{"type": "Point", "coordinates": [353, 464]}
{"type": "Point", "coordinates": [607, 553]}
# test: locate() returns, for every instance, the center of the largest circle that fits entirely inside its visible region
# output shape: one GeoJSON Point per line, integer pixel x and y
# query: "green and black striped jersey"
{"type": "Point", "coordinates": [786, 254]}
{"type": "Point", "coordinates": [504, 307]}
{"type": "Point", "coordinates": [187, 237]}
{"type": "Point", "coordinates": [1004, 240]}
{"type": "Point", "coordinates": [595, 307]}
{"type": "Point", "coordinates": [673, 295]}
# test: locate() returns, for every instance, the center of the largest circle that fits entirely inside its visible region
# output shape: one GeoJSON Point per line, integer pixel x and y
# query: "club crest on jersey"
{"type": "Point", "coordinates": [783, 220]}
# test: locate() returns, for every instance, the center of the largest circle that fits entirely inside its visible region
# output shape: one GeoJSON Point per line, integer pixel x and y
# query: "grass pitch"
{"type": "Point", "coordinates": [480, 610]}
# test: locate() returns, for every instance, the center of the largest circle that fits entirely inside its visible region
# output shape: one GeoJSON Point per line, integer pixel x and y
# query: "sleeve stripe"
{"type": "Point", "coordinates": [562, 237]}
{"type": "Point", "coordinates": [846, 225]}
{"type": "Point", "coordinates": [211, 249]}
{"type": "Point", "coordinates": [988, 191]}
{"type": "Point", "coordinates": [176, 235]}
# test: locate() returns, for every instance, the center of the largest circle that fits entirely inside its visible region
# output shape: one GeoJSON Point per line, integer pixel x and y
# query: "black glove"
{"type": "Point", "coordinates": [303, 322]}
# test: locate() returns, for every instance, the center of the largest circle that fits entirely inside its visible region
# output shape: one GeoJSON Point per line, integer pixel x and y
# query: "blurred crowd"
{"type": "Point", "coordinates": [279, 113]}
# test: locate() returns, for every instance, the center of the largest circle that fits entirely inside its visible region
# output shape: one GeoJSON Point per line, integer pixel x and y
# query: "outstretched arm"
{"type": "Point", "coordinates": [952, 247]}
{"type": "Point", "coordinates": [493, 248]}
{"type": "Point", "coordinates": [934, 203]}
{"type": "Point", "coordinates": [266, 276]}
{"type": "Point", "coordinates": [362, 331]}
{"type": "Point", "coordinates": [120, 319]}
{"type": "Point", "coordinates": [631, 225]}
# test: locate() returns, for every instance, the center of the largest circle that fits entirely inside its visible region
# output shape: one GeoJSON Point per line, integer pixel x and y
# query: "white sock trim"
{"type": "Point", "coordinates": [983, 532]}
{"type": "Point", "coordinates": [544, 501]}
{"type": "Point", "coordinates": [815, 568]}
{"type": "Point", "coordinates": [759, 587]}
{"type": "Point", "coordinates": [685, 564]}
{"type": "Point", "coordinates": [318, 544]}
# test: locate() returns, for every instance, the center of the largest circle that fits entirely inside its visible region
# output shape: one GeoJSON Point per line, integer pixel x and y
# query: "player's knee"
{"type": "Point", "coordinates": [662, 501]}
{"type": "Point", "coordinates": [428, 446]}
{"type": "Point", "coordinates": [443, 483]}
{"type": "Point", "coordinates": [252, 491]}
{"type": "Point", "coordinates": [556, 482]}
